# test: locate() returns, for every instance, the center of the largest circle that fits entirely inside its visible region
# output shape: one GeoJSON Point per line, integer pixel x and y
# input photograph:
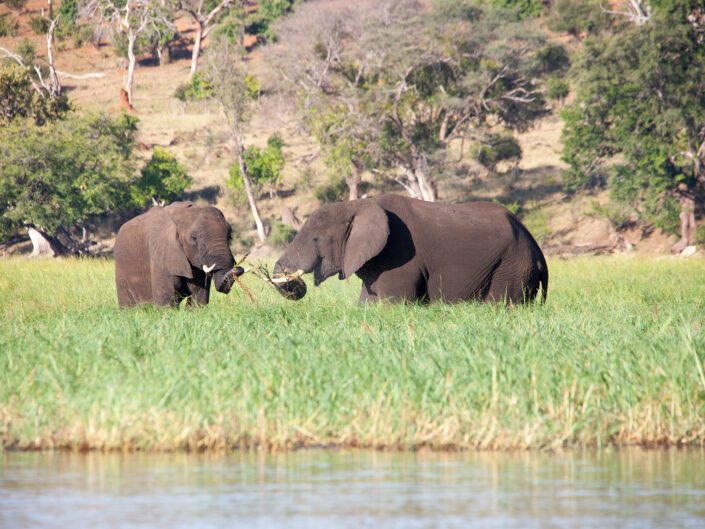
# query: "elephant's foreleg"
{"type": "Point", "coordinates": [200, 292]}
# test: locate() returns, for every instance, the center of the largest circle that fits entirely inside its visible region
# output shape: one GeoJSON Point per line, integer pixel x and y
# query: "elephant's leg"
{"type": "Point", "coordinates": [166, 289]}
{"type": "Point", "coordinates": [366, 296]}
{"type": "Point", "coordinates": [512, 283]}
{"type": "Point", "coordinates": [200, 293]}
{"type": "Point", "coordinates": [399, 285]}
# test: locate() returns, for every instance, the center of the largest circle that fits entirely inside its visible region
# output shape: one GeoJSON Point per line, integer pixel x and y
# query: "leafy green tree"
{"type": "Point", "coordinates": [637, 122]}
{"type": "Point", "coordinates": [162, 179]}
{"type": "Point", "coordinates": [53, 177]}
{"type": "Point", "coordinates": [20, 97]}
{"type": "Point", "coordinates": [263, 165]}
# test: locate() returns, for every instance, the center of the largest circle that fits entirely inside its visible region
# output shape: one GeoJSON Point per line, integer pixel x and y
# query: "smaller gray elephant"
{"type": "Point", "coordinates": [171, 253]}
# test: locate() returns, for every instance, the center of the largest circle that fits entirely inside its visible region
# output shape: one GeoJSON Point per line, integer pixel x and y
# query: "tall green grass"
{"type": "Point", "coordinates": [615, 356]}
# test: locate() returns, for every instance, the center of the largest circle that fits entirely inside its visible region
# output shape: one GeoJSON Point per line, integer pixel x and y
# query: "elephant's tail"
{"type": "Point", "coordinates": [543, 278]}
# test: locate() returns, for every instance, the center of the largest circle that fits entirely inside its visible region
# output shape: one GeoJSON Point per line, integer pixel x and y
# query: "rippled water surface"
{"type": "Point", "coordinates": [322, 489]}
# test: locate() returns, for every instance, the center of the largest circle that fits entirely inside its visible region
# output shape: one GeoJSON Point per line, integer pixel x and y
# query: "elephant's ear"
{"type": "Point", "coordinates": [367, 237]}
{"type": "Point", "coordinates": [164, 248]}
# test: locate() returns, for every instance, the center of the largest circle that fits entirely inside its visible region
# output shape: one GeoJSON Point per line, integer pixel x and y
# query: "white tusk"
{"type": "Point", "coordinates": [245, 270]}
{"type": "Point", "coordinates": [286, 278]}
{"type": "Point", "coordinates": [208, 269]}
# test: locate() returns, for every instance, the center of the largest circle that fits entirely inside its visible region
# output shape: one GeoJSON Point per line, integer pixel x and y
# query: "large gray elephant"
{"type": "Point", "coordinates": [171, 253]}
{"type": "Point", "coordinates": [409, 250]}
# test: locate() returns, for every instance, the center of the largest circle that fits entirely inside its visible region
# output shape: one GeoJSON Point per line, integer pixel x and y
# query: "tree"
{"type": "Point", "coordinates": [21, 97]}
{"type": "Point", "coordinates": [229, 81]}
{"type": "Point", "coordinates": [132, 18]}
{"type": "Point", "coordinates": [637, 121]}
{"type": "Point", "coordinates": [162, 179]}
{"type": "Point", "coordinates": [204, 13]}
{"type": "Point", "coordinates": [417, 77]}
{"type": "Point", "coordinates": [53, 177]}
{"type": "Point", "coordinates": [263, 165]}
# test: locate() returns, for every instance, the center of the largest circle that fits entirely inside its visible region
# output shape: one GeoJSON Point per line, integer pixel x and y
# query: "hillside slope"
{"type": "Point", "coordinates": [195, 133]}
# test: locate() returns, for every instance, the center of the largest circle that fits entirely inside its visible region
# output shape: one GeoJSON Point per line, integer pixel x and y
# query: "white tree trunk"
{"type": "Point", "coordinates": [131, 67]}
{"type": "Point", "coordinates": [240, 145]}
{"type": "Point", "coordinates": [40, 243]}
{"type": "Point", "coordinates": [353, 182]}
{"type": "Point", "coordinates": [196, 50]}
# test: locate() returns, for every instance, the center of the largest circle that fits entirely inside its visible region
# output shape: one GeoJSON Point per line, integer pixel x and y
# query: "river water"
{"type": "Point", "coordinates": [314, 489]}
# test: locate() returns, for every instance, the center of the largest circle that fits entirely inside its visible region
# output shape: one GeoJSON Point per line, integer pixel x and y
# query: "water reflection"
{"type": "Point", "coordinates": [312, 489]}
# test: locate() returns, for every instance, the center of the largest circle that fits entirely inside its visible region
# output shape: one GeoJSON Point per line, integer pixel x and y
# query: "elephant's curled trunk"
{"type": "Point", "coordinates": [224, 279]}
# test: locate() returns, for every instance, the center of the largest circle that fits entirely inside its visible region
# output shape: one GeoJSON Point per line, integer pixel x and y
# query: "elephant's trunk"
{"type": "Point", "coordinates": [224, 280]}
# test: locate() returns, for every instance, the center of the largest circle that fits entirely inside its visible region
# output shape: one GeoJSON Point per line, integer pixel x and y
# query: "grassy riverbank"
{"type": "Point", "coordinates": [615, 356]}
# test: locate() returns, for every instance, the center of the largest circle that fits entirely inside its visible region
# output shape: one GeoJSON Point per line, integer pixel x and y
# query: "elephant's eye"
{"type": "Point", "coordinates": [315, 240]}
{"type": "Point", "coordinates": [194, 238]}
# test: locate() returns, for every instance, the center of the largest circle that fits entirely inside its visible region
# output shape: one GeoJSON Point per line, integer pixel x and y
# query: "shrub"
{"type": "Point", "coordinates": [334, 190]}
{"type": "Point", "coordinates": [196, 88]}
{"type": "Point", "coordinates": [8, 26]}
{"type": "Point", "coordinates": [497, 148]}
{"type": "Point", "coordinates": [557, 88]}
{"type": "Point", "coordinates": [263, 165]}
{"type": "Point", "coordinates": [27, 51]}
{"type": "Point", "coordinates": [280, 234]}
{"type": "Point", "coordinates": [39, 24]}
{"type": "Point", "coordinates": [19, 100]}
{"type": "Point", "coordinates": [163, 178]}
{"type": "Point", "coordinates": [16, 4]}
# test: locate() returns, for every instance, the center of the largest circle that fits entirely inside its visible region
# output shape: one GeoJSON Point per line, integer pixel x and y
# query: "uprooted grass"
{"type": "Point", "coordinates": [615, 356]}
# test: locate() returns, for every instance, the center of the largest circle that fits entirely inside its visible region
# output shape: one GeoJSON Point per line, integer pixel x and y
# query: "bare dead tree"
{"type": "Point", "coordinates": [132, 19]}
{"type": "Point", "coordinates": [198, 10]}
{"type": "Point", "coordinates": [637, 11]}
{"type": "Point", "coordinates": [226, 73]}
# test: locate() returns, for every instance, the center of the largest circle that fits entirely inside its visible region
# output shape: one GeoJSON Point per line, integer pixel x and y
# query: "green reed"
{"type": "Point", "coordinates": [614, 357]}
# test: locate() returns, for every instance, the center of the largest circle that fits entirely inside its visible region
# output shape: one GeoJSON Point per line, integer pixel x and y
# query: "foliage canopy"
{"type": "Point", "coordinates": [637, 122]}
{"type": "Point", "coordinates": [55, 176]}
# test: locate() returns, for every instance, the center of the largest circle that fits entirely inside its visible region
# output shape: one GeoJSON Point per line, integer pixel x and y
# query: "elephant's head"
{"type": "Point", "coordinates": [189, 240]}
{"type": "Point", "coordinates": [337, 239]}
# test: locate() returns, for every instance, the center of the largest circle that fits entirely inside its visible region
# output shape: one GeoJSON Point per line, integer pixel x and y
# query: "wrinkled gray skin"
{"type": "Point", "coordinates": [159, 255]}
{"type": "Point", "coordinates": [409, 250]}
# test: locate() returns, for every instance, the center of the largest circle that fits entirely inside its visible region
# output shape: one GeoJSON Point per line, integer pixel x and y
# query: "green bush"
{"type": "Point", "coordinates": [15, 4]}
{"type": "Point", "coordinates": [196, 88]}
{"type": "Point", "coordinates": [27, 51]}
{"type": "Point", "coordinates": [557, 88]}
{"type": "Point", "coordinates": [263, 165]}
{"type": "Point", "coordinates": [56, 175]}
{"type": "Point", "coordinates": [526, 8]}
{"type": "Point", "coordinates": [39, 24]}
{"type": "Point", "coordinates": [553, 58]}
{"type": "Point", "coordinates": [280, 234]}
{"type": "Point", "coordinates": [495, 149]}
{"type": "Point", "coordinates": [81, 34]}
{"type": "Point", "coordinates": [68, 10]}
{"type": "Point", "coordinates": [163, 178]}
{"type": "Point", "coordinates": [578, 16]}
{"type": "Point", "coordinates": [18, 99]}
{"type": "Point", "coordinates": [8, 26]}
{"type": "Point", "coordinates": [334, 190]}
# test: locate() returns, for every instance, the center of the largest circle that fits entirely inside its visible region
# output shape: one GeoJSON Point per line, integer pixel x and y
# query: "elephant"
{"type": "Point", "coordinates": [171, 253]}
{"type": "Point", "coordinates": [409, 250]}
